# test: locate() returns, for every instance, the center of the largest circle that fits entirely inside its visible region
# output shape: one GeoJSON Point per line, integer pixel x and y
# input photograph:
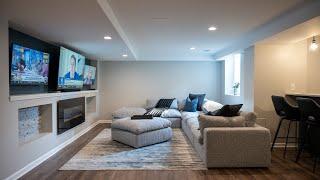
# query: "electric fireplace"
{"type": "Point", "coordinates": [71, 113]}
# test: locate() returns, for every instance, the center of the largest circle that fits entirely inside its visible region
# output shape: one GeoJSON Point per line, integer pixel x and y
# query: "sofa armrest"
{"type": "Point", "coordinates": [237, 146]}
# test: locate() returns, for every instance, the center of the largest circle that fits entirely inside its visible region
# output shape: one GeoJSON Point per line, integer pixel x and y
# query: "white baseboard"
{"type": "Point", "coordinates": [52, 152]}
{"type": "Point", "coordinates": [105, 121]}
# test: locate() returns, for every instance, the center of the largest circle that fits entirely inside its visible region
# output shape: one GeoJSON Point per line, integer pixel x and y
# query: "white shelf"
{"type": "Point", "coordinates": [60, 95]}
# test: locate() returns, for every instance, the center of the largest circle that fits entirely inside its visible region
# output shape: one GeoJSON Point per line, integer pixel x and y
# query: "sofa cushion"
{"type": "Point", "coordinates": [175, 122]}
{"type": "Point", "coordinates": [187, 115]}
{"type": "Point", "coordinates": [128, 112]}
{"type": "Point", "coordinates": [151, 103]}
{"type": "Point", "coordinates": [140, 126]}
{"type": "Point", "coordinates": [171, 113]}
{"type": "Point", "coordinates": [206, 121]}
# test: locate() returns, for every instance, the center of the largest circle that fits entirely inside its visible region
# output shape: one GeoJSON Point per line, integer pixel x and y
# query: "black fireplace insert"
{"type": "Point", "coordinates": [71, 113]}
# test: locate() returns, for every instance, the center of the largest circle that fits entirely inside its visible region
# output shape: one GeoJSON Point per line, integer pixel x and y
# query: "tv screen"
{"type": "Point", "coordinates": [89, 75]}
{"type": "Point", "coordinates": [28, 66]}
{"type": "Point", "coordinates": [71, 64]}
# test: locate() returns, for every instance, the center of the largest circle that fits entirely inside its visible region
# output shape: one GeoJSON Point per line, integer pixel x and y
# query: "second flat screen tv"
{"type": "Point", "coordinates": [71, 65]}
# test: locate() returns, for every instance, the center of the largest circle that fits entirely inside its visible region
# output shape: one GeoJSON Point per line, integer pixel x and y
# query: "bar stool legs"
{"type": "Point", "coordinates": [315, 161]}
{"type": "Point", "coordinates": [285, 147]}
{"type": "Point", "coordinates": [277, 132]}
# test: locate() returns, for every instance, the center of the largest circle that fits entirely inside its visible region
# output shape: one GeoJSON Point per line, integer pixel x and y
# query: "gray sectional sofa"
{"type": "Point", "coordinates": [227, 146]}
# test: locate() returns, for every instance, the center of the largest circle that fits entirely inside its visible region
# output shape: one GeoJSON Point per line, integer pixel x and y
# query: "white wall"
{"type": "Point", "coordinates": [14, 156]}
{"type": "Point", "coordinates": [246, 82]}
{"type": "Point", "coordinates": [131, 83]}
{"type": "Point", "coordinates": [247, 75]}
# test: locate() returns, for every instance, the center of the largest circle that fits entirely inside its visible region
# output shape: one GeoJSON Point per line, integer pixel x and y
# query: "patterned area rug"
{"type": "Point", "coordinates": [104, 154]}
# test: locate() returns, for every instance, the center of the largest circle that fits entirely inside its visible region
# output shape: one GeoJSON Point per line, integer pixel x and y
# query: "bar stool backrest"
{"type": "Point", "coordinates": [284, 109]}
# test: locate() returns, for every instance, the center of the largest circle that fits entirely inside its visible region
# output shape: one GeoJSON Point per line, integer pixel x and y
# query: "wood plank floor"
{"type": "Point", "coordinates": [280, 169]}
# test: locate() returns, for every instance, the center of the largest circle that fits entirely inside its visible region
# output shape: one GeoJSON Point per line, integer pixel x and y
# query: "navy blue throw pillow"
{"type": "Point", "coordinates": [200, 98]}
{"type": "Point", "coordinates": [227, 111]}
{"type": "Point", "coordinates": [191, 105]}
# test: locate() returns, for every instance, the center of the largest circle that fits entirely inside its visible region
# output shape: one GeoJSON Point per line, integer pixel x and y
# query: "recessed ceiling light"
{"type": "Point", "coordinates": [212, 28]}
{"type": "Point", "coordinates": [125, 55]}
{"type": "Point", "coordinates": [107, 37]}
{"type": "Point", "coordinates": [192, 48]}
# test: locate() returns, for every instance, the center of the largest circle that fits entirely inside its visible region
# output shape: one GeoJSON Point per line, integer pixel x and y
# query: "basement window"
{"type": "Point", "coordinates": [232, 74]}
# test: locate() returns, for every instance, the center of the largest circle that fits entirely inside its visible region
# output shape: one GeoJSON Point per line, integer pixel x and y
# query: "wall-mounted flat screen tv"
{"type": "Point", "coordinates": [71, 65]}
{"type": "Point", "coordinates": [28, 66]}
{"type": "Point", "coordinates": [89, 75]}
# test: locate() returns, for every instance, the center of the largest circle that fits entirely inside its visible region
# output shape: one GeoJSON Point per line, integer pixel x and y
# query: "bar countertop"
{"type": "Point", "coordinates": [303, 94]}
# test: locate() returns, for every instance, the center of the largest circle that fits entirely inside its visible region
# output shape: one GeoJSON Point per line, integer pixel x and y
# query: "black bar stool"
{"type": "Point", "coordinates": [310, 118]}
{"type": "Point", "coordinates": [288, 112]}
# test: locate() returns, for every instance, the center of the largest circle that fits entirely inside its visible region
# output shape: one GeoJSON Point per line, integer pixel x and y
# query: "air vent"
{"type": "Point", "coordinates": [159, 19]}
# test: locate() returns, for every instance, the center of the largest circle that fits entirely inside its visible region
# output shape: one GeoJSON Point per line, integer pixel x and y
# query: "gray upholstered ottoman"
{"type": "Point", "coordinates": [139, 133]}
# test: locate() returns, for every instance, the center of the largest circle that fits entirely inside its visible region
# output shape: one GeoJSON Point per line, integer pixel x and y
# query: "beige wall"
{"type": "Point", "coordinates": [278, 68]}
{"type": "Point", "coordinates": [313, 68]}
{"type": "Point", "coordinates": [131, 83]}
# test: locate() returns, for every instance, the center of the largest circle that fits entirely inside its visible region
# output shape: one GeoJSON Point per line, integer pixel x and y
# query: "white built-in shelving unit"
{"type": "Point", "coordinates": [37, 113]}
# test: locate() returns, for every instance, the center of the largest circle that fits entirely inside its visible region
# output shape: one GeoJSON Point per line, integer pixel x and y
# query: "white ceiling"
{"type": "Point", "coordinates": [166, 29]}
{"type": "Point", "coordinates": [80, 24]}
{"type": "Point", "coordinates": [295, 34]}
{"type": "Point", "coordinates": [145, 29]}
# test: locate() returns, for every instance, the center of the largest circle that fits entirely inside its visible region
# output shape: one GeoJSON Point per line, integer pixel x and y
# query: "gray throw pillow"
{"type": "Point", "coordinates": [250, 118]}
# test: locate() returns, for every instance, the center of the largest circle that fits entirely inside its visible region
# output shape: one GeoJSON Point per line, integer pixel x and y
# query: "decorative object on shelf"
{"type": "Point", "coordinates": [313, 45]}
{"type": "Point", "coordinates": [29, 123]}
{"type": "Point", "coordinates": [235, 88]}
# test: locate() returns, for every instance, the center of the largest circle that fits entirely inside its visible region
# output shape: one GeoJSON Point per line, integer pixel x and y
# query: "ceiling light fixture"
{"type": "Point", "coordinates": [107, 37]}
{"type": "Point", "coordinates": [124, 55]}
{"type": "Point", "coordinates": [212, 28]}
{"type": "Point", "coordinates": [313, 45]}
{"type": "Point", "coordinates": [192, 48]}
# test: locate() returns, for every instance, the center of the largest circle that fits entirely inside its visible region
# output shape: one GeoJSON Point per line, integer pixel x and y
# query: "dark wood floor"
{"type": "Point", "coordinates": [280, 169]}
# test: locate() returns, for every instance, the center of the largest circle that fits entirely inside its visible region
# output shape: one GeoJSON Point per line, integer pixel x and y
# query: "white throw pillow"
{"type": "Point", "coordinates": [171, 113]}
{"type": "Point", "coordinates": [210, 106]}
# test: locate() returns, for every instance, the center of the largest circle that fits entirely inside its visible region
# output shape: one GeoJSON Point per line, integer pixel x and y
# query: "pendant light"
{"type": "Point", "coordinates": [313, 45]}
